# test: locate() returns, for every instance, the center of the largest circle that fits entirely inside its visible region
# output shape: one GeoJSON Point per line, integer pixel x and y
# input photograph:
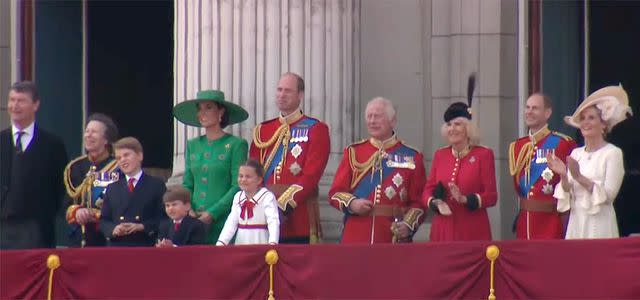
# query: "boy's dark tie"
{"type": "Point", "coordinates": [176, 226]}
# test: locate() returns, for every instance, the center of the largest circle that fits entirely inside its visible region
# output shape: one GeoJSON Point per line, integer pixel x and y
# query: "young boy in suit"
{"type": "Point", "coordinates": [180, 229]}
{"type": "Point", "coordinates": [132, 207]}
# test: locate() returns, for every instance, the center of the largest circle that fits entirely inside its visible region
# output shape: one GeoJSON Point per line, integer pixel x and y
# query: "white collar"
{"type": "Point", "coordinates": [257, 196]}
{"type": "Point", "coordinates": [28, 131]}
{"type": "Point", "coordinates": [136, 176]}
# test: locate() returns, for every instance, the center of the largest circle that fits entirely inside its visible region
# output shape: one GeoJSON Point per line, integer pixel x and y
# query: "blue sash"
{"type": "Point", "coordinates": [536, 169]}
{"type": "Point", "coordinates": [368, 183]}
{"type": "Point", "coordinates": [305, 123]}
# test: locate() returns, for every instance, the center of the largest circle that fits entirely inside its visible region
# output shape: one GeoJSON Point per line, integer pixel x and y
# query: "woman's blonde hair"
{"type": "Point", "coordinates": [472, 130]}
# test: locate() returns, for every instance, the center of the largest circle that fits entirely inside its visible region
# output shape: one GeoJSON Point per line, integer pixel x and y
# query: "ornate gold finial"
{"type": "Point", "coordinates": [492, 254]}
{"type": "Point", "coordinates": [53, 262]}
{"type": "Point", "coordinates": [271, 258]}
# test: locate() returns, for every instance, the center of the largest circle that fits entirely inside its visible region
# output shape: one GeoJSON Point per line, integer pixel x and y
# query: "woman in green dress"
{"type": "Point", "coordinates": [212, 160]}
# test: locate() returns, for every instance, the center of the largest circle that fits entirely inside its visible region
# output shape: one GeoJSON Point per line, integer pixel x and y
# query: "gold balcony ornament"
{"type": "Point", "coordinates": [492, 254]}
{"type": "Point", "coordinates": [53, 262]}
{"type": "Point", "coordinates": [271, 258]}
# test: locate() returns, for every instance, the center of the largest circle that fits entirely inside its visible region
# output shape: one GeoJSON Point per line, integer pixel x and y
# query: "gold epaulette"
{"type": "Point", "coordinates": [563, 136]}
{"type": "Point", "coordinates": [512, 159]}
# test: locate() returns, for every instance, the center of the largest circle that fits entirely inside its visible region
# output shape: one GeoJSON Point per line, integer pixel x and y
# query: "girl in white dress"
{"type": "Point", "coordinates": [592, 176]}
{"type": "Point", "coordinates": [254, 215]}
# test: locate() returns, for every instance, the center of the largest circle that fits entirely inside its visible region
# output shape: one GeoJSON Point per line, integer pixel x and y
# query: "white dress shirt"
{"type": "Point", "coordinates": [27, 135]}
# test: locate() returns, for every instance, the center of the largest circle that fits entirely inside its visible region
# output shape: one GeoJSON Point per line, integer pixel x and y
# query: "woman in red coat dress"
{"type": "Point", "coordinates": [461, 183]}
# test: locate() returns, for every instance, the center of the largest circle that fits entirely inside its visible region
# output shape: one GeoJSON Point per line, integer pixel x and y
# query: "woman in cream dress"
{"type": "Point", "coordinates": [592, 176]}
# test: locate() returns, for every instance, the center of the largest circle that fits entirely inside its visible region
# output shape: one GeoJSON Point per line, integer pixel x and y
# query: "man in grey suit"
{"type": "Point", "coordinates": [32, 162]}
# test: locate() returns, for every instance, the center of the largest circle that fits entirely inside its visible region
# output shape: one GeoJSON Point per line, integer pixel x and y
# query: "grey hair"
{"type": "Point", "coordinates": [388, 106]}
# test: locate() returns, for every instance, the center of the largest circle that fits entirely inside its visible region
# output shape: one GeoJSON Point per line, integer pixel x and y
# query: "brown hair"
{"type": "Point", "coordinates": [26, 87]}
{"type": "Point", "coordinates": [130, 143]}
{"type": "Point", "coordinates": [252, 163]}
{"type": "Point", "coordinates": [177, 193]}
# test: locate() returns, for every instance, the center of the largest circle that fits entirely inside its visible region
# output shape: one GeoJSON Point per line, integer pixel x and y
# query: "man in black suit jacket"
{"type": "Point", "coordinates": [180, 229]}
{"type": "Point", "coordinates": [132, 207]}
{"type": "Point", "coordinates": [32, 161]}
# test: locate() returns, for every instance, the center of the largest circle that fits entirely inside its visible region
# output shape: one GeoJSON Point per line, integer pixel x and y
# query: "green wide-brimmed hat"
{"type": "Point", "coordinates": [187, 111]}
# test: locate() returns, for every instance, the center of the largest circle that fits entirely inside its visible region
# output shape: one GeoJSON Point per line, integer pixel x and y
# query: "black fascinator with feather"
{"type": "Point", "coordinates": [461, 109]}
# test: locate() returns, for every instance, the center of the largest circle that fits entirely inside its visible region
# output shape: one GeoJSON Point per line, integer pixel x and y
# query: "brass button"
{"type": "Point", "coordinates": [137, 218]}
{"type": "Point", "coordinates": [121, 218]}
{"type": "Point", "coordinates": [377, 200]}
{"type": "Point", "coordinates": [203, 194]}
{"type": "Point", "coordinates": [205, 180]}
{"type": "Point", "coordinates": [530, 193]}
{"type": "Point", "coordinates": [455, 169]}
{"type": "Point", "coordinates": [205, 168]}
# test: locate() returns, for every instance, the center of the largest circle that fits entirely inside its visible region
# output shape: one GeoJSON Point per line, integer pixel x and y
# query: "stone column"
{"type": "Point", "coordinates": [480, 36]}
{"type": "Point", "coordinates": [243, 46]}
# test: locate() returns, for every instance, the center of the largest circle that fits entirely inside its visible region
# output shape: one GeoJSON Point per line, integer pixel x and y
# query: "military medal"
{"type": "Point", "coordinates": [541, 155]}
{"type": "Point", "coordinates": [295, 168]}
{"type": "Point", "coordinates": [401, 162]}
{"type": "Point", "coordinates": [296, 151]}
{"type": "Point", "coordinates": [227, 146]}
{"type": "Point", "coordinates": [547, 175]}
{"type": "Point", "coordinates": [397, 179]}
{"type": "Point", "coordinates": [390, 192]}
{"type": "Point", "coordinates": [472, 159]}
{"type": "Point", "coordinates": [294, 136]}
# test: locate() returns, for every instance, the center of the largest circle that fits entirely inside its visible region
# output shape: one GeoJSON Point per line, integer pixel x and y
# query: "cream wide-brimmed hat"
{"type": "Point", "coordinates": [612, 101]}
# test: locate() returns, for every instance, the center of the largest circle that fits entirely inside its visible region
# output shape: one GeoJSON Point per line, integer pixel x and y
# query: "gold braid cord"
{"type": "Point", "coordinates": [361, 169]}
{"type": "Point", "coordinates": [282, 135]}
{"type": "Point", "coordinates": [523, 160]}
{"type": "Point", "coordinates": [75, 192]}
{"type": "Point", "coordinates": [81, 194]}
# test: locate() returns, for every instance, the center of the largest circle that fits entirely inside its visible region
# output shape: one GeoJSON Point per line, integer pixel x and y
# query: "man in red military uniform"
{"type": "Point", "coordinates": [294, 150]}
{"type": "Point", "coordinates": [534, 182]}
{"type": "Point", "coordinates": [379, 182]}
